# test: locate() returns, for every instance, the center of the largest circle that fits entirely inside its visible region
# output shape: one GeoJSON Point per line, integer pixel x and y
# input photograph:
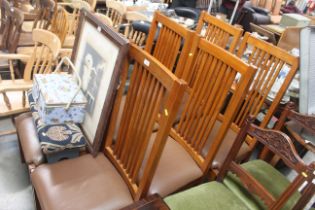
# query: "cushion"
{"type": "Point", "coordinates": [212, 195]}
{"type": "Point", "coordinates": [268, 176]}
{"type": "Point", "coordinates": [176, 169]}
{"type": "Point", "coordinates": [81, 183]}
{"type": "Point", "coordinates": [28, 139]}
{"type": "Point", "coordinates": [225, 146]}
{"type": "Point", "coordinates": [57, 137]}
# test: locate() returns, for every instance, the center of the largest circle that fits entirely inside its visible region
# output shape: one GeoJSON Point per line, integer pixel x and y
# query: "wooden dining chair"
{"type": "Point", "coordinates": [170, 43]}
{"type": "Point", "coordinates": [139, 31]}
{"type": "Point", "coordinates": [60, 24]}
{"type": "Point", "coordinates": [219, 32]}
{"type": "Point", "coordinates": [255, 184]}
{"type": "Point", "coordinates": [45, 14]}
{"type": "Point", "coordinates": [300, 127]}
{"type": "Point", "coordinates": [116, 11]}
{"type": "Point", "coordinates": [105, 19]}
{"type": "Point", "coordinates": [124, 173]}
{"type": "Point", "coordinates": [276, 69]}
{"type": "Point", "coordinates": [130, 17]}
{"type": "Point", "coordinates": [182, 162]}
{"type": "Point", "coordinates": [42, 60]}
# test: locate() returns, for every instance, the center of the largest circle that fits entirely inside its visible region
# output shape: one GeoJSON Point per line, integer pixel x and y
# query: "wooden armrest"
{"type": "Point", "coordinates": [14, 56]}
{"type": "Point", "coordinates": [16, 85]}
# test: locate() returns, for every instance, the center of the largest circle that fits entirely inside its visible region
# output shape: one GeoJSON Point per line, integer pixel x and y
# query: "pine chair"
{"type": "Point", "coordinates": [218, 31]}
{"type": "Point", "coordinates": [132, 16]}
{"type": "Point", "coordinates": [116, 180]}
{"type": "Point", "coordinates": [60, 24]}
{"type": "Point", "coordinates": [139, 31]}
{"type": "Point", "coordinates": [276, 69]}
{"type": "Point", "coordinates": [182, 162]}
{"type": "Point", "coordinates": [170, 44]}
{"type": "Point", "coordinates": [298, 126]}
{"type": "Point", "coordinates": [105, 19]}
{"type": "Point", "coordinates": [47, 46]}
{"type": "Point", "coordinates": [255, 184]}
{"type": "Point", "coordinates": [116, 12]}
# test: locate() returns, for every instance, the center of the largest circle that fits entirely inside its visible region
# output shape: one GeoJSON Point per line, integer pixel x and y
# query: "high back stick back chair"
{"type": "Point", "coordinates": [170, 43]}
{"type": "Point", "coordinates": [116, 11]}
{"type": "Point", "coordinates": [47, 46]}
{"type": "Point", "coordinates": [254, 187]}
{"type": "Point", "coordinates": [153, 94]}
{"type": "Point", "coordinates": [276, 69]}
{"type": "Point", "coordinates": [60, 24]}
{"type": "Point", "coordinates": [219, 32]}
{"type": "Point", "coordinates": [132, 16]}
{"type": "Point", "coordinates": [17, 18]}
{"type": "Point", "coordinates": [215, 72]}
{"type": "Point", "coordinates": [45, 14]}
{"type": "Point", "coordinates": [139, 31]}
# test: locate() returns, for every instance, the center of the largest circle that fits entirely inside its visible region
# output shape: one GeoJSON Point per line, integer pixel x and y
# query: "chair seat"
{"type": "Point", "coordinates": [81, 183]}
{"type": "Point", "coordinates": [28, 139]}
{"type": "Point", "coordinates": [268, 176]}
{"type": "Point", "coordinates": [176, 169]}
{"type": "Point", "coordinates": [212, 195]}
{"type": "Point", "coordinates": [225, 146]}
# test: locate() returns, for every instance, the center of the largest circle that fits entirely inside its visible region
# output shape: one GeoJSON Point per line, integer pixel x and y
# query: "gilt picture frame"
{"type": "Point", "coordinates": [98, 55]}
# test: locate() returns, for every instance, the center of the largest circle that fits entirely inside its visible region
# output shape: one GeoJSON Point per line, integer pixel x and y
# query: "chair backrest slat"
{"type": "Point", "coordinates": [153, 96]}
{"type": "Point", "coordinates": [116, 11]}
{"type": "Point", "coordinates": [170, 43]}
{"type": "Point", "coordinates": [215, 72]}
{"type": "Point", "coordinates": [218, 31]}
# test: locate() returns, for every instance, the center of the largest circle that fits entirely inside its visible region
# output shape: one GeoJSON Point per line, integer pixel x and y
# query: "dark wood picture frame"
{"type": "Point", "coordinates": [121, 44]}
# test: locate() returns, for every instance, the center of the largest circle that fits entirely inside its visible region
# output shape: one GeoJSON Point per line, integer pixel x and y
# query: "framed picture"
{"type": "Point", "coordinates": [98, 55]}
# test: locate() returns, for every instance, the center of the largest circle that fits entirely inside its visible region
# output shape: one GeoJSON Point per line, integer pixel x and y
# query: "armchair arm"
{"type": "Point", "coordinates": [13, 56]}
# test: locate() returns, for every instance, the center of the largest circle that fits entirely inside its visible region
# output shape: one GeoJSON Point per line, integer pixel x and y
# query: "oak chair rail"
{"type": "Point", "coordinates": [153, 92]}
{"type": "Point", "coordinates": [215, 71]}
{"type": "Point", "coordinates": [219, 32]}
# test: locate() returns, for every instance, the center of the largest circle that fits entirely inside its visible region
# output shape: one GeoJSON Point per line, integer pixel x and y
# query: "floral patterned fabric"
{"type": "Point", "coordinates": [57, 137]}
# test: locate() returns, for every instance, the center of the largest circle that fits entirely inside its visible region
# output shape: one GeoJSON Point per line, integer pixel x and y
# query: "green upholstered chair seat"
{"type": "Point", "coordinates": [212, 195]}
{"type": "Point", "coordinates": [268, 176]}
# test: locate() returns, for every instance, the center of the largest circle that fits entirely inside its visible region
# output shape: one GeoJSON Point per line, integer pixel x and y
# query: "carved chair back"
{"type": "Point", "coordinates": [170, 43]}
{"type": "Point", "coordinates": [133, 16]}
{"type": "Point", "coordinates": [17, 19]}
{"type": "Point", "coordinates": [60, 24]}
{"type": "Point", "coordinates": [116, 12]}
{"type": "Point", "coordinates": [45, 14]}
{"type": "Point", "coordinates": [280, 144]}
{"type": "Point", "coordinates": [298, 126]}
{"type": "Point", "coordinates": [219, 32]}
{"type": "Point", "coordinates": [215, 72]}
{"type": "Point", "coordinates": [5, 23]}
{"type": "Point", "coordinates": [276, 69]}
{"type": "Point", "coordinates": [153, 96]}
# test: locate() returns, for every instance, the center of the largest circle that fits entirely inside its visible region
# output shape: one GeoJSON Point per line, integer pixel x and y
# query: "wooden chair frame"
{"type": "Point", "coordinates": [168, 48]}
{"type": "Point", "coordinates": [154, 95]}
{"type": "Point", "coordinates": [60, 23]}
{"type": "Point", "coordinates": [133, 16]}
{"type": "Point", "coordinates": [218, 31]}
{"type": "Point", "coordinates": [116, 12]}
{"type": "Point", "coordinates": [47, 46]}
{"type": "Point", "coordinates": [215, 70]}
{"type": "Point", "coordinates": [5, 23]}
{"type": "Point", "coordinates": [280, 144]}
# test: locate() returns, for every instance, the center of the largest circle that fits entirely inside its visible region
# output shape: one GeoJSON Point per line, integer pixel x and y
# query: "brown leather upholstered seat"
{"type": "Point", "coordinates": [225, 146]}
{"type": "Point", "coordinates": [28, 139]}
{"type": "Point", "coordinates": [176, 169]}
{"type": "Point", "coordinates": [80, 183]}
